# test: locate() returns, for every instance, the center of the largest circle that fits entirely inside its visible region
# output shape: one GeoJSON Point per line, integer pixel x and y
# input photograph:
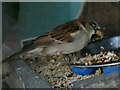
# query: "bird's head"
{"type": "Point", "coordinates": [92, 27]}
{"type": "Point", "coordinates": [96, 28]}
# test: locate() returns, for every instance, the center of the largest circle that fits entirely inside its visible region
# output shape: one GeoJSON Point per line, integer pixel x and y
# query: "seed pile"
{"type": "Point", "coordinates": [102, 57]}
{"type": "Point", "coordinates": [60, 76]}
{"type": "Point", "coordinates": [57, 75]}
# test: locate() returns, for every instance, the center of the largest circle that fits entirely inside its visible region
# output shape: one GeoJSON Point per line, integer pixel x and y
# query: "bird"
{"type": "Point", "coordinates": [69, 37]}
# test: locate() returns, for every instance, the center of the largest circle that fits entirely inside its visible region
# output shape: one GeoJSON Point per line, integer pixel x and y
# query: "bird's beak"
{"type": "Point", "coordinates": [99, 33]}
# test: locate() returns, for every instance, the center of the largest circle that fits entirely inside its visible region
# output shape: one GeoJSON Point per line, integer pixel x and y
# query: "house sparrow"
{"type": "Point", "coordinates": [63, 39]}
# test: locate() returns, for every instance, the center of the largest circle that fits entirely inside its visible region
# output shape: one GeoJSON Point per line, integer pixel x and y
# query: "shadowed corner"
{"type": "Point", "coordinates": [0, 44]}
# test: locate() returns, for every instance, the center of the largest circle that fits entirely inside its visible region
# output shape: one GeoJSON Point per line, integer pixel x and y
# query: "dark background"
{"type": "Point", "coordinates": [106, 14]}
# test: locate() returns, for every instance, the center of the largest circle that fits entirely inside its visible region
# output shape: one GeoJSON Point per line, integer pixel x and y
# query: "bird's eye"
{"type": "Point", "coordinates": [94, 26]}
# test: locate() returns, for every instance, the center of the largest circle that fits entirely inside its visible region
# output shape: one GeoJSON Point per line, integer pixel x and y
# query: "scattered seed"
{"type": "Point", "coordinates": [61, 76]}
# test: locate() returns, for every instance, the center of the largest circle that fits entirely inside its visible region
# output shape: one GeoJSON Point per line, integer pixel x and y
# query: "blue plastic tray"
{"type": "Point", "coordinates": [94, 48]}
{"type": "Point", "coordinates": [86, 71]}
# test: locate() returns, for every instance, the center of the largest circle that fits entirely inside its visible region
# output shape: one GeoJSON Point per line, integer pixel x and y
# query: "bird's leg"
{"type": "Point", "coordinates": [75, 55]}
{"type": "Point", "coordinates": [57, 57]}
{"type": "Point", "coordinates": [49, 56]}
{"type": "Point", "coordinates": [60, 56]}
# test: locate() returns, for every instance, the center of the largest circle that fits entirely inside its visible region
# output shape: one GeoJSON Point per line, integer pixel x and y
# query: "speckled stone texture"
{"type": "Point", "coordinates": [25, 77]}
{"type": "Point", "coordinates": [103, 81]}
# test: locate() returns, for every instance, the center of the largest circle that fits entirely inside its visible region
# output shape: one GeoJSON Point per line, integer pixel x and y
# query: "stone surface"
{"type": "Point", "coordinates": [24, 77]}
{"type": "Point", "coordinates": [103, 81]}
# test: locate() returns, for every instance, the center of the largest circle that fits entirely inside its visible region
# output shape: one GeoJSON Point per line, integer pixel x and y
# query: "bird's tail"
{"type": "Point", "coordinates": [12, 57]}
{"type": "Point", "coordinates": [24, 50]}
{"type": "Point", "coordinates": [28, 44]}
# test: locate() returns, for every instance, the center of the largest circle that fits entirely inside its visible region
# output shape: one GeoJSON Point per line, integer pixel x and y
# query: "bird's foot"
{"type": "Point", "coordinates": [57, 57]}
{"type": "Point", "coordinates": [60, 57]}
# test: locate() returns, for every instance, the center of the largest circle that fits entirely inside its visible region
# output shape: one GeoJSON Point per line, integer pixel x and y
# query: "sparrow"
{"type": "Point", "coordinates": [66, 38]}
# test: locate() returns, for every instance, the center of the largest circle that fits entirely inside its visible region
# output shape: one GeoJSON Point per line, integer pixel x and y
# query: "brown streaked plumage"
{"type": "Point", "coordinates": [66, 38]}
{"type": "Point", "coordinates": [61, 33]}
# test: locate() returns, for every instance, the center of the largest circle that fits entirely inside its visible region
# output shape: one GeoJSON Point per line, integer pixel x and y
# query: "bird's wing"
{"type": "Point", "coordinates": [60, 34]}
